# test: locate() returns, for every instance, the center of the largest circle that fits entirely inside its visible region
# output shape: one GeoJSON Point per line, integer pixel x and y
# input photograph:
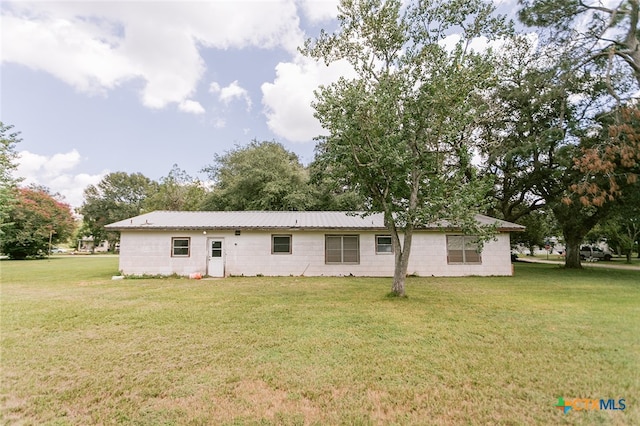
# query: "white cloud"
{"type": "Point", "coordinates": [55, 172]}
{"type": "Point", "coordinates": [47, 167]}
{"type": "Point", "coordinates": [287, 101]}
{"type": "Point", "coordinates": [219, 123]}
{"type": "Point", "coordinates": [192, 107]}
{"type": "Point", "coordinates": [320, 10]}
{"type": "Point", "coordinates": [230, 93]}
{"type": "Point", "coordinates": [97, 46]}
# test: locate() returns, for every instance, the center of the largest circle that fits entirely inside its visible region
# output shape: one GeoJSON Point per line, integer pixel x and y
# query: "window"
{"type": "Point", "coordinates": [462, 249]}
{"type": "Point", "coordinates": [384, 244]}
{"type": "Point", "coordinates": [342, 249]}
{"type": "Point", "coordinates": [180, 247]}
{"type": "Point", "coordinates": [216, 248]}
{"type": "Point", "coordinates": [281, 244]}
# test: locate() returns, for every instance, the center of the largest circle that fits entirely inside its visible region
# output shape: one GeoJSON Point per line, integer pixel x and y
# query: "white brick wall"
{"type": "Point", "coordinates": [149, 252]}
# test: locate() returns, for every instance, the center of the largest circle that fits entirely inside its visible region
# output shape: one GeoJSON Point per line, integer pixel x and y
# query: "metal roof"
{"type": "Point", "coordinates": [272, 220]}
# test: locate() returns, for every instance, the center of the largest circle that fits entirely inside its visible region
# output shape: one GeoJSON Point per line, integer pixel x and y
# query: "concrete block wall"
{"type": "Point", "coordinates": [249, 254]}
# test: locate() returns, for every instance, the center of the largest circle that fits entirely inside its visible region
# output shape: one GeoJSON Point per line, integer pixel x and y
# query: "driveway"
{"type": "Point", "coordinates": [610, 265]}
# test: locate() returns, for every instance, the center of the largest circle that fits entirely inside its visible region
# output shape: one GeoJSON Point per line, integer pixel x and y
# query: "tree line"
{"type": "Point", "coordinates": [539, 128]}
{"type": "Point", "coordinates": [258, 176]}
{"type": "Point", "coordinates": [261, 175]}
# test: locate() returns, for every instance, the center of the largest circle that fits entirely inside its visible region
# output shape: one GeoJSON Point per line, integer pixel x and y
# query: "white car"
{"type": "Point", "coordinates": [594, 253]}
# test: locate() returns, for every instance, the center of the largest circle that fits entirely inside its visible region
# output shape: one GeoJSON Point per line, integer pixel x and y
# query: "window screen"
{"type": "Point", "coordinates": [462, 249]}
{"type": "Point", "coordinates": [281, 244]}
{"type": "Point", "coordinates": [384, 244]}
{"type": "Point", "coordinates": [342, 249]}
{"type": "Point", "coordinates": [180, 247]}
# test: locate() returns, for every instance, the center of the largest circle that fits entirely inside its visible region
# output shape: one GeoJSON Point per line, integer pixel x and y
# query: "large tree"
{"type": "Point", "coordinates": [542, 116]}
{"type": "Point", "coordinates": [117, 196]}
{"type": "Point", "coordinates": [258, 176]}
{"type": "Point", "coordinates": [35, 220]}
{"type": "Point", "coordinates": [8, 165]}
{"type": "Point", "coordinates": [399, 132]}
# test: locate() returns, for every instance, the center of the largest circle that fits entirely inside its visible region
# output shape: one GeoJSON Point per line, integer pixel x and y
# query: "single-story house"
{"type": "Point", "coordinates": [225, 243]}
{"type": "Point", "coordinates": [87, 244]}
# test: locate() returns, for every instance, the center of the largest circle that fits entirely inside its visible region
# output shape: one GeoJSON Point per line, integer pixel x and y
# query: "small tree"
{"type": "Point", "coordinates": [399, 132]}
{"type": "Point", "coordinates": [36, 219]}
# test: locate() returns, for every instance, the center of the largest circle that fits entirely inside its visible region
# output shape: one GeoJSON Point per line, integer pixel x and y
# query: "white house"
{"type": "Point", "coordinates": [87, 244]}
{"type": "Point", "coordinates": [250, 243]}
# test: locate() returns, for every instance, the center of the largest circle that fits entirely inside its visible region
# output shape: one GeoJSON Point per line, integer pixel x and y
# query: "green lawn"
{"type": "Point", "coordinates": [79, 348]}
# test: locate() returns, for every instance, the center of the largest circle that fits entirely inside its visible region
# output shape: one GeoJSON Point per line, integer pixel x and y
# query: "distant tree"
{"type": "Point", "coordinates": [8, 164]}
{"type": "Point", "coordinates": [34, 220]}
{"type": "Point", "coordinates": [621, 230]}
{"type": "Point", "coordinates": [118, 196]}
{"type": "Point", "coordinates": [399, 132]}
{"type": "Point", "coordinates": [177, 191]}
{"type": "Point", "coordinates": [539, 225]}
{"type": "Point", "coordinates": [259, 176]}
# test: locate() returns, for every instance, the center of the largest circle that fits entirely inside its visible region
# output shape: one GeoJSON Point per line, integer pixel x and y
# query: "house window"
{"type": "Point", "coordinates": [180, 247]}
{"type": "Point", "coordinates": [384, 244]}
{"type": "Point", "coordinates": [281, 244]}
{"type": "Point", "coordinates": [342, 249]}
{"type": "Point", "coordinates": [462, 249]}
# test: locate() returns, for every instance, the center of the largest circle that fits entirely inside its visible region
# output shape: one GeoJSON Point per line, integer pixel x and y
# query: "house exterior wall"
{"type": "Point", "coordinates": [149, 252]}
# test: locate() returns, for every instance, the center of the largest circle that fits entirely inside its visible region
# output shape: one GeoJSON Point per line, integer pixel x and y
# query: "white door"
{"type": "Point", "coordinates": [215, 267]}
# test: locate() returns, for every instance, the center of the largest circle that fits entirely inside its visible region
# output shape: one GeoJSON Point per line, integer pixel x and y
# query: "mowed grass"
{"type": "Point", "coordinates": [79, 348]}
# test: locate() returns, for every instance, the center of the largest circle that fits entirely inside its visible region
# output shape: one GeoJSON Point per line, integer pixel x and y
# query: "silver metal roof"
{"type": "Point", "coordinates": [270, 220]}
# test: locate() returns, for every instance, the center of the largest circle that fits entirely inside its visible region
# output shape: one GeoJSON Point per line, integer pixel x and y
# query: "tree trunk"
{"type": "Point", "coordinates": [401, 254]}
{"type": "Point", "coordinates": [400, 272]}
{"type": "Point", "coordinates": [572, 258]}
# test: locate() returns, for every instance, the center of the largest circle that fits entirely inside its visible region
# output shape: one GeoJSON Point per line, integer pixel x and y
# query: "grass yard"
{"type": "Point", "coordinates": [78, 348]}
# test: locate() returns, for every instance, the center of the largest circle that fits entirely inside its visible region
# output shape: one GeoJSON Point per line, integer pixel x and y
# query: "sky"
{"type": "Point", "coordinates": [137, 86]}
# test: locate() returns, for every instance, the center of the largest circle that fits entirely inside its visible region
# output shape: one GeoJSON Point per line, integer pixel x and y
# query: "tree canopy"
{"type": "Point", "coordinates": [117, 196]}
{"type": "Point", "coordinates": [258, 176]}
{"type": "Point", "coordinates": [601, 36]}
{"type": "Point", "coordinates": [176, 191]}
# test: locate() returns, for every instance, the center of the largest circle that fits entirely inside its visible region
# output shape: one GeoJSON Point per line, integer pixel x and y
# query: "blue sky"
{"type": "Point", "coordinates": [137, 86]}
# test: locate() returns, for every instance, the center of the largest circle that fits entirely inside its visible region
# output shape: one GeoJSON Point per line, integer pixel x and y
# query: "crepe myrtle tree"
{"type": "Point", "coordinates": [399, 132]}
{"type": "Point", "coordinates": [36, 220]}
